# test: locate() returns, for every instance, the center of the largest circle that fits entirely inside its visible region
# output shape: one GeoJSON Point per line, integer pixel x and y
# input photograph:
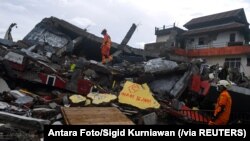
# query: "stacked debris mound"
{"type": "Point", "coordinates": [54, 77]}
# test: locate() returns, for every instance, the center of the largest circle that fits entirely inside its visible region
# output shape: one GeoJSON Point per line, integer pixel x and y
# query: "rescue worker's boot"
{"type": "Point", "coordinates": [109, 63]}
{"type": "Point", "coordinates": [110, 58]}
{"type": "Point", "coordinates": [103, 60]}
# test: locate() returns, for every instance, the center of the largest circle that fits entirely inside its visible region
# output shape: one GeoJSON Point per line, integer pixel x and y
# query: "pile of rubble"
{"type": "Point", "coordinates": [56, 67]}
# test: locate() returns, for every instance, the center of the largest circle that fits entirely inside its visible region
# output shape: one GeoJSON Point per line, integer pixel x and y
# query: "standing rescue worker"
{"type": "Point", "coordinates": [223, 74]}
{"type": "Point", "coordinates": [105, 48]}
{"type": "Point", "coordinates": [223, 106]}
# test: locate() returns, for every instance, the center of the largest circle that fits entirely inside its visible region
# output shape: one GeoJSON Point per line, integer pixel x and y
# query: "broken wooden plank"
{"type": "Point", "coordinates": [94, 116]}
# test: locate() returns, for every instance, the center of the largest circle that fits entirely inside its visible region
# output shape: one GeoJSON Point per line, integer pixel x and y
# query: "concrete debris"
{"type": "Point", "coordinates": [181, 85]}
{"type": "Point", "coordinates": [3, 86]}
{"type": "Point", "coordinates": [23, 122]}
{"type": "Point", "coordinates": [162, 87]}
{"type": "Point", "coordinates": [7, 43]}
{"type": "Point", "coordinates": [57, 123]}
{"type": "Point", "coordinates": [34, 55]}
{"type": "Point", "coordinates": [14, 57]}
{"type": "Point", "coordinates": [44, 113]}
{"type": "Point", "coordinates": [11, 133]}
{"type": "Point", "coordinates": [4, 105]}
{"type": "Point", "coordinates": [8, 35]}
{"type": "Point", "coordinates": [160, 66]}
{"type": "Point", "coordinates": [150, 119]}
{"type": "Point", "coordinates": [53, 105]}
{"type": "Point", "coordinates": [56, 71]}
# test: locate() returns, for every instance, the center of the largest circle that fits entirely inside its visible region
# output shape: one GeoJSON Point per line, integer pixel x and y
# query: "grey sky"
{"type": "Point", "coordinates": [115, 15]}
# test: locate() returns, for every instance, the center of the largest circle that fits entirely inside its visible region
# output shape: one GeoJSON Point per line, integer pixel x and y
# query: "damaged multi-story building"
{"type": "Point", "coordinates": [167, 37]}
{"type": "Point", "coordinates": [171, 84]}
{"type": "Point", "coordinates": [219, 38]}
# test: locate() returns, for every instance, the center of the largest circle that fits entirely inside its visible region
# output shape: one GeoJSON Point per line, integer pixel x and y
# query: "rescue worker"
{"type": "Point", "coordinates": [73, 64]}
{"type": "Point", "coordinates": [223, 106]}
{"type": "Point", "coordinates": [223, 74]}
{"type": "Point", "coordinates": [105, 48]}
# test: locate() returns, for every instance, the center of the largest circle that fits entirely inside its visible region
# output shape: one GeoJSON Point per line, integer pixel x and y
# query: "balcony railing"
{"type": "Point", "coordinates": [217, 44]}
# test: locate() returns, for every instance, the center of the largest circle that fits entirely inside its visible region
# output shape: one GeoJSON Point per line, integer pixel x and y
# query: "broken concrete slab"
{"type": "Point", "coordinates": [150, 119]}
{"type": "Point", "coordinates": [7, 43]}
{"type": "Point", "coordinates": [4, 105]}
{"type": "Point", "coordinates": [60, 33]}
{"type": "Point", "coordinates": [53, 105]}
{"type": "Point", "coordinates": [24, 100]}
{"type": "Point", "coordinates": [23, 122]}
{"type": "Point", "coordinates": [241, 90]}
{"type": "Point", "coordinates": [14, 57]}
{"type": "Point", "coordinates": [181, 85]}
{"type": "Point", "coordinates": [10, 133]}
{"type": "Point", "coordinates": [34, 55]}
{"type": "Point", "coordinates": [160, 66]}
{"type": "Point", "coordinates": [125, 41]}
{"type": "Point", "coordinates": [8, 35]}
{"type": "Point", "coordinates": [21, 98]}
{"type": "Point", "coordinates": [3, 86]}
{"type": "Point", "coordinates": [57, 123]}
{"type": "Point", "coordinates": [99, 67]}
{"type": "Point", "coordinates": [44, 113]}
{"type": "Point", "coordinates": [162, 87]}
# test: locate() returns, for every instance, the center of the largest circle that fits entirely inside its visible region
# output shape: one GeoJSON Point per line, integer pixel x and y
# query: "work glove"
{"type": "Point", "coordinates": [213, 118]}
{"type": "Point", "coordinates": [211, 123]}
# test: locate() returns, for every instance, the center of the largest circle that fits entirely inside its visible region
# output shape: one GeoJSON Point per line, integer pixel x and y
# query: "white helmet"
{"type": "Point", "coordinates": [211, 76]}
{"type": "Point", "coordinates": [224, 83]}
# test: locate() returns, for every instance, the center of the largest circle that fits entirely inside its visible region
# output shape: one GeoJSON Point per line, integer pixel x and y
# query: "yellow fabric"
{"type": "Point", "coordinates": [137, 95]}
{"type": "Point", "coordinates": [77, 98]}
{"type": "Point", "coordinates": [87, 102]}
{"type": "Point", "coordinates": [101, 98]}
{"type": "Point", "coordinates": [72, 67]}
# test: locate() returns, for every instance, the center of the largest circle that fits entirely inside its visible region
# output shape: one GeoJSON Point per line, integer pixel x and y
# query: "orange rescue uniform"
{"type": "Point", "coordinates": [105, 50]}
{"type": "Point", "coordinates": [225, 101]}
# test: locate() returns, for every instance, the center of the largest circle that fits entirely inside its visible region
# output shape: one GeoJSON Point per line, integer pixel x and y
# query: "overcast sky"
{"type": "Point", "coordinates": [116, 16]}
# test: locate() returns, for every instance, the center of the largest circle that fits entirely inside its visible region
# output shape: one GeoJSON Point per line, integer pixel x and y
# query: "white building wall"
{"type": "Point", "coordinates": [162, 38]}
{"type": "Point", "coordinates": [245, 68]}
{"type": "Point", "coordinates": [221, 59]}
{"type": "Point", "coordinates": [240, 37]}
{"type": "Point", "coordinates": [215, 60]}
{"type": "Point", "coordinates": [221, 40]}
{"type": "Point", "coordinates": [224, 37]}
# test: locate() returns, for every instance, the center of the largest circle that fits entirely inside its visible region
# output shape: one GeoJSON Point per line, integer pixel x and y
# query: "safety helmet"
{"type": "Point", "coordinates": [211, 76]}
{"type": "Point", "coordinates": [104, 31]}
{"type": "Point", "coordinates": [224, 83]}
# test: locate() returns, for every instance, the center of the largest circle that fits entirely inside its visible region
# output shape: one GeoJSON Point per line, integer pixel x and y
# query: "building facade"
{"type": "Point", "coordinates": [219, 38]}
{"type": "Point", "coordinates": [167, 37]}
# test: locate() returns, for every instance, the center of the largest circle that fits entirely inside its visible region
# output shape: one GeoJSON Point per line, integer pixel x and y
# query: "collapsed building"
{"type": "Point", "coordinates": [139, 87]}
